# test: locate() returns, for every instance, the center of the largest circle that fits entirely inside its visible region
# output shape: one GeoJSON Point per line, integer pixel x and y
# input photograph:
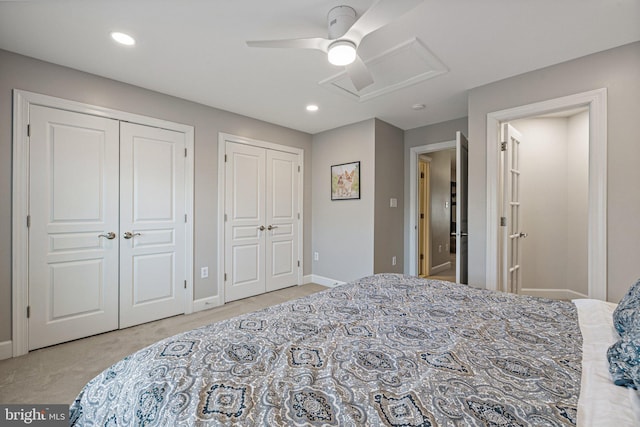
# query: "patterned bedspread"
{"type": "Point", "coordinates": [384, 350]}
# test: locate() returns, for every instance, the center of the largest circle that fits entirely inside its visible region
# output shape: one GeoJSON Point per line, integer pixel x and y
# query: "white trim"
{"type": "Point", "coordinates": [6, 350]}
{"type": "Point", "coordinates": [596, 100]}
{"type": "Point", "coordinates": [306, 279]}
{"type": "Point", "coordinates": [22, 100]}
{"type": "Point", "coordinates": [438, 268]}
{"type": "Point", "coordinates": [325, 281]}
{"type": "Point", "coordinates": [222, 138]}
{"type": "Point", "coordinates": [558, 294]}
{"type": "Point", "coordinates": [206, 303]}
{"type": "Point", "coordinates": [414, 155]}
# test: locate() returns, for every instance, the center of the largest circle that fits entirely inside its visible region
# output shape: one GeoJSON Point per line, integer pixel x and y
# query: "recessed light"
{"type": "Point", "coordinates": [418, 107]}
{"type": "Point", "coordinates": [312, 107]}
{"type": "Point", "coordinates": [123, 38]}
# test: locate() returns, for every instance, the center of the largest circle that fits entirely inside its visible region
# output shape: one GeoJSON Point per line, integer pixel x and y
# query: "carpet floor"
{"type": "Point", "coordinates": [56, 374]}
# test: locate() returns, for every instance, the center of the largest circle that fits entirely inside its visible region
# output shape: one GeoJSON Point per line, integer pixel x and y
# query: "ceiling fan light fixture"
{"type": "Point", "coordinates": [342, 52]}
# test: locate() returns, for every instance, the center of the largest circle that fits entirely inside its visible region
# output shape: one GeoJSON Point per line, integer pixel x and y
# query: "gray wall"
{"type": "Point", "coordinates": [389, 141]}
{"type": "Point", "coordinates": [618, 71]}
{"type": "Point", "coordinates": [432, 134]}
{"type": "Point", "coordinates": [343, 230]}
{"type": "Point", "coordinates": [25, 73]}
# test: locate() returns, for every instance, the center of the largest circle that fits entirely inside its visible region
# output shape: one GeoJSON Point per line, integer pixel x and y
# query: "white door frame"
{"type": "Point", "coordinates": [596, 100]}
{"type": "Point", "coordinates": [22, 100]}
{"type": "Point", "coordinates": [414, 155]}
{"type": "Point", "coordinates": [222, 138]}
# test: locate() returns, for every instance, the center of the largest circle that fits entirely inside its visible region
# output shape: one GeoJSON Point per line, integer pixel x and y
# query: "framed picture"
{"type": "Point", "coordinates": [345, 181]}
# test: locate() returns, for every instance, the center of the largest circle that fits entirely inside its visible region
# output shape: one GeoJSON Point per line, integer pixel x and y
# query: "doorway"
{"type": "Point", "coordinates": [545, 169]}
{"type": "Point", "coordinates": [433, 218]}
{"type": "Point", "coordinates": [596, 245]}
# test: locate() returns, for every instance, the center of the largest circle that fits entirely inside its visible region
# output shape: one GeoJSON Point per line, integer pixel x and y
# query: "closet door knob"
{"type": "Point", "coordinates": [271, 227]}
{"type": "Point", "coordinates": [129, 235]}
{"type": "Point", "coordinates": [261, 228]}
{"type": "Point", "coordinates": [110, 235]}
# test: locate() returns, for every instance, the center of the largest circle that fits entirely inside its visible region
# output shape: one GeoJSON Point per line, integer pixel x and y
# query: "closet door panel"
{"type": "Point", "coordinates": [152, 218]}
{"type": "Point", "coordinates": [282, 219]}
{"type": "Point", "coordinates": [245, 221]}
{"type": "Point", "coordinates": [73, 199]}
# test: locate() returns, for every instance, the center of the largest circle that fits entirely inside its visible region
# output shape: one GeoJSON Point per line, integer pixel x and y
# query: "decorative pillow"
{"type": "Point", "coordinates": [624, 361]}
{"type": "Point", "coordinates": [626, 316]}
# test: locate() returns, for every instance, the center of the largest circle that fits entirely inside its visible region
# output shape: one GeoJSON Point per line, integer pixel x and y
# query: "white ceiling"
{"type": "Point", "coordinates": [195, 49]}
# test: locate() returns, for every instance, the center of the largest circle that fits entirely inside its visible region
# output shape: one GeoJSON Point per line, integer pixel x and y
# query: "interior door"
{"type": "Point", "coordinates": [152, 224]}
{"type": "Point", "coordinates": [281, 236]}
{"type": "Point", "coordinates": [245, 223]}
{"type": "Point", "coordinates": [511, 272]}
{"type": "Point", "coordinates": [424, 198]}
{"type": "Point", "coordinates": [462, 192]}
{"type": "Point", "coordinates": [73, 242]}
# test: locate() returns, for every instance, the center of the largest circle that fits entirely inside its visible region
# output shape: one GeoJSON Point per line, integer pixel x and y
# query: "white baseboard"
{"type": "Point", "coordinates": [438, 268]}
{"type": "Point", "coordinates": [325, 281]}
{"type": "Point", "coordinates": [564, 294]}
{"type": "Point", "coordinates": [6, 350]}
{"type": "Point", "coordinates": [307, 279]}
{"type": "Point", "coordinates": [206, 303]}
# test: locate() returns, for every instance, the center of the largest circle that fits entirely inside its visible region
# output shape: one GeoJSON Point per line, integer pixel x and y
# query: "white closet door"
{"type": "Point", "coordinates": [245, 221]}
{"type": "Point", "coordinates": [152, 224]}
{"type": "Point", "coordinates": [73, 198]}
{"type": "Point", "coordinates": [282, 229]}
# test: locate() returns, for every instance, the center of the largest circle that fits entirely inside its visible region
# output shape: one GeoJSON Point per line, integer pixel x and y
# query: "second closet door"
{"type": "Point", "coordinates": [261, 205]}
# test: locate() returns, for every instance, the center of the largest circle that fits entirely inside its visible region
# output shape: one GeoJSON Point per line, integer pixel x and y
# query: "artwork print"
{"type": "Point", "coordinates": [345, 181]}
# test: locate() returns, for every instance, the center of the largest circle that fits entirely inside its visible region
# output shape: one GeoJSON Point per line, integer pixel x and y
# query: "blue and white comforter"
{"type": "Point", "coordinates": [384, 350]}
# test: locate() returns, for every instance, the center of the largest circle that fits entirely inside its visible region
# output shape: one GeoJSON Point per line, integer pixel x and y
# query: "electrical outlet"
{"type": "Point", "coordinates": [316, 256]}
{"type": "Point", "coordinates": [204, 272]}
{"type": "Point", "coordinates": [393, 260]}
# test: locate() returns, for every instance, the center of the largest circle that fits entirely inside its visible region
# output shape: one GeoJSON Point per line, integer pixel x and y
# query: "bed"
{"type": "Point", "coordinates": [384, 350]}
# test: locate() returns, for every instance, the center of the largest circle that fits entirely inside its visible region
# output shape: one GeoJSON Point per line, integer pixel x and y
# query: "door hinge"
{"type": "Point", "coordinates": [298, 168]}
{"type": "Point", "coordinates": [225, 217]}
{"type": "Point", "coordinates": [421, 216]}
{"type": "Point", "coordinates": [185, 152]}
{"type": "Point", "coordinates": [298, 215]}
{"type": "Point", "coordinates": [421, 175]}
{"type": "Point", "coordinates": [185, 218]}
{"type": "Point", "coordinates": [421, 257]}
{"type": "Point", "coordinates": [503, 221]}
{"type": "Point", "coordinates": [28, 311]}
{"type": "Point", "coordinates": [29, 130]}
{"type": "Point", "coordinates": [298, 263]}
{"type": "Point", "coordinates": [185, 284]}
{"type": "Point", "coordinates": [503, 146]}
{"type": "Point", "coordinates": [28, 221]}
{"type": "Point", "coordinates": [225, 277]}
{"type": "Point", "coordinates": [225, 158]}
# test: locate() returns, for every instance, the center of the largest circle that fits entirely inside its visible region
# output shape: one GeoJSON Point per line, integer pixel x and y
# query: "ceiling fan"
{"type": "Point", "coordinates": [345, 35]}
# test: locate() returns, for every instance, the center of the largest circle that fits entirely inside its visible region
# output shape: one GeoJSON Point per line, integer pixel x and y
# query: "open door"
{"type": "Point", "coordinates": [462, 236]}
{"type": "Point", "coordinates": [511, 208]}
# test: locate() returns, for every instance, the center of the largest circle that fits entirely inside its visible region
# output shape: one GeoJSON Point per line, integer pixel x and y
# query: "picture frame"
{"type": "Point", "coordinates": [345, 181]}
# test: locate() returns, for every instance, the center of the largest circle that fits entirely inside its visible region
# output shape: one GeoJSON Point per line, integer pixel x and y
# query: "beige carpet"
{"type": "Point", "coordinates": [57, 374]}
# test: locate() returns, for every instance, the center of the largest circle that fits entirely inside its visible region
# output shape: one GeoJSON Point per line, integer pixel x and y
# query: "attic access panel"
{"type": "Point", "coordinates": [406, 64]}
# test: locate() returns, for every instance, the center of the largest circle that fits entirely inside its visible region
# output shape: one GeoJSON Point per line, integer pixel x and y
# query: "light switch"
{"type": "Point", "coordinates": [393, 202]}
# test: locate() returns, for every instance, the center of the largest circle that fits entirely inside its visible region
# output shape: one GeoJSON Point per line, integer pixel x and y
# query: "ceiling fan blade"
{"type": "Point", "coordinates": [317, 43]}
{"type": "Point", "coordinates": [359, 74]}
{"type": "Point", "coordinates": [377, 16]}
